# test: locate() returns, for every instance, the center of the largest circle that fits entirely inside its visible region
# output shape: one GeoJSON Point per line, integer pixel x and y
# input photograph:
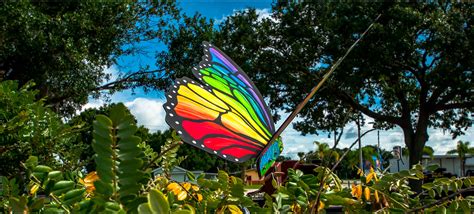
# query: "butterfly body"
{"type": "Point", "coordinates": [224, 113]}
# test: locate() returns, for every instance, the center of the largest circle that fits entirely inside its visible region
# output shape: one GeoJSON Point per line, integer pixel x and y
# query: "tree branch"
{"type": "Point", "coordinates": [354, 104]}
{"type": "Point", "coordinates": [414, 210]}
{"type": "Point", "coordinates": [449, 106]}
{"type": "Point", "coordinates": [128, 78]}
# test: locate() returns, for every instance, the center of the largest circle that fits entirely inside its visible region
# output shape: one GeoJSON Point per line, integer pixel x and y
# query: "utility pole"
{"type": "Point", "coordinates": [360, 144]}
{"type": "Point", "coordinates": [378, 142]}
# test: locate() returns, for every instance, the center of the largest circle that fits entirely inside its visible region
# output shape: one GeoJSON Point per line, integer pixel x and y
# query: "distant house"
{"type": "Point", "coordinates": [179, 174]}
{"type": "Point", "coordinates": [452, 163]}
{"type": "Point", "coordinates": [251, 177]}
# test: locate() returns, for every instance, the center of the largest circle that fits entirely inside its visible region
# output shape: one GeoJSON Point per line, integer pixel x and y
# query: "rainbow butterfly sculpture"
{"type": "Point", "coordinates": [225, 114]}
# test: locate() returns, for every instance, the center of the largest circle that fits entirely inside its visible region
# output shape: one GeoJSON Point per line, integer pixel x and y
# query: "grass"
{"type": "Point", "coordinates": [254, 186]}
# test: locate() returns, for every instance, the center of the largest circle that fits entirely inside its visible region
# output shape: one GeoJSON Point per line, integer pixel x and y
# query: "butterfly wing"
{"type": "Point", "coordinates": [226, 116]}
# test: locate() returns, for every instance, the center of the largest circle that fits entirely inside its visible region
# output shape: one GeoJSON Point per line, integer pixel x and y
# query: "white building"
{"type": "Point", "coordinates": [179, 174]}
{"type": "Point", "coordinates": [452, 163]}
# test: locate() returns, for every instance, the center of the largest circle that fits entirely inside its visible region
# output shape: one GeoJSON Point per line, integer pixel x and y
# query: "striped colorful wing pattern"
{"type": "Point", "coordinates": [224, 114]}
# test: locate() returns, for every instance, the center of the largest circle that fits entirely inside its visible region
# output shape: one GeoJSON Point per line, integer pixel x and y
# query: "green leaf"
{"type": "Point", "coordinates": [73, 193]}
{"type": "Point", "coordinates": [62, 187]}
{"type": "Point", "coordinates": [144, 208]}
{"type": "Point", "coordinates": [55, 175]}
{"type": "Point", "coordinates": [466, 208]}
{"type": "Point", "coordinates": [467, 182]}
{"type": "Point", "coordinates": [31, 162]}
{"type": "Point", "coordinates": [41, 168]}
{"type": "Point", "coordinates": [432, 193]}
{"type": "Point", "coordinates": [441, 210]}
{"type": "Point", "coordinates": [432, 168]}
{"type": "Point", "coordinates": [158, 202]}
{"type": "Point", "coordinates": [190, 176]}
{"type": "Point", "coordinates": [53, 210]}
{"type": "Point", "coordinates": [182, 212]}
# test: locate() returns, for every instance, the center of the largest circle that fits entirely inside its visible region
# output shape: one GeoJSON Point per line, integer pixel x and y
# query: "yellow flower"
{"type": "Point", "coordinates": [186, 185]}
{"type": "Point", "coordinates": [178, 190]}
{"type": "Point", "coordinates": [89, 180]}
{"type": "Point", "coordinates": [369, 177]}
{"type": "Point", "coordinates": [195, 188]}
{"type": "Point", "coordinates": [234, 209]}
{"type": "Point", "coordinates": [174, 187]}
{"type": "Point", "coordinates": [376, 195]}
{"type": "Point", "coordinates": [360, 172]}
{"type": "Point", "coordinates": [367, 193]}
{"type": "Point", "coordinates": [321, 206]}
{"type": "Point", "coordinates": [199, 197]}
{"type": "Point", "coordinates": [34, 188]}
{"type": "Point", "coordinates": [357, 191]}
{"type": "Point", "coordinates": [182, 195]}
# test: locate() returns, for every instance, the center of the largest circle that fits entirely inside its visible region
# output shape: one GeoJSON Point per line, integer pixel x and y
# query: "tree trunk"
{"type": "Point", "coordinates": [415, 143]}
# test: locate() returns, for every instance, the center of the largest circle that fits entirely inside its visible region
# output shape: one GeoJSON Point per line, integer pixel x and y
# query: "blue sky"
{"type": "Point", "coordinates": [148, 110]}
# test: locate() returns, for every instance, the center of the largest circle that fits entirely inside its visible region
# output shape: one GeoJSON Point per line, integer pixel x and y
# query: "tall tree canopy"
{"type": "Point", "coordinates": [412, 70]}
{"type": "Point", "coordinates": [65, 46]}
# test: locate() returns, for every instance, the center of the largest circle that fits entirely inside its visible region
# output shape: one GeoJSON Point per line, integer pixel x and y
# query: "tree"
{"type": "Point", "coordinates": [462, 149]}
{"type": "Point", "coordinates": [66, 46]}
{"type": "Point", "coordinates": [412, 70]}
{"type": "Point", "coordinates": [28, 127]}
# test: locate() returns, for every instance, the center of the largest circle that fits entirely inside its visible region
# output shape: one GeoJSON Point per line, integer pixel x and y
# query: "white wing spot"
{"type": "Point", "coordinates": [215, 152]}
{"type": "Point", "coordinates": [174, 91]}
{"type": "Point", "coordinates": [177, 82]}
{"type": "Point", "coordinates": [185, 81]}
{"type": "Point", "coordinates": [200, 66]}
{"type": "Point", "coordinates": [167, 107]}
{"type": "Point", "coordinates": [171, 115]}
{"type": "Point", "coordinates": [202, 145]}
{"type": "Point", "coordinates": [194, 141]}
{"type": "Point", "coordinates": [224, 156]}
{"type": "Point", "coordinates": [175, 86]}
{"type": "Point", "coordinates": [176, 122]}
{"type": "Point", "coordinates": [172, 104]}
{"type": "Point", "coordinates": [180, 132]}
{"type": "Point", "coordinates": [169, 96]}
{"type": "Point", "coordinates": [236, 159]}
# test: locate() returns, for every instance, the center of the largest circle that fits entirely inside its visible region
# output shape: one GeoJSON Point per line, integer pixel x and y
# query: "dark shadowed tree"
{"type": "Point", "coordinates": [412, 70]}
{"type": "Point", "coordinates": [65, 46]}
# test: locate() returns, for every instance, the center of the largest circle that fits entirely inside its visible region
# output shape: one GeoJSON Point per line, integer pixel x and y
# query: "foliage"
{"type": "Point", "coordinates": [123, 183]}
{"type": "Point", "coordinates": [412, 69]}
{"type": "Point", "coordinates": [28, 127]}
{"type": "Point", "coordinates": [377, 192]}
{"type": "Point", "coordinates": [225, 194]}
{"type": "Point", "coordinates": [66, 46]}
{"type": "Point", "coordinates": [119, 160]}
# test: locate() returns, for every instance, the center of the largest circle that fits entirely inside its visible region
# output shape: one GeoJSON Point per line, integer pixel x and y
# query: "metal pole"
{"type": "Point", "coordinates": [360, 144]}
{"type": "Point", "coordinates": [398, 165]}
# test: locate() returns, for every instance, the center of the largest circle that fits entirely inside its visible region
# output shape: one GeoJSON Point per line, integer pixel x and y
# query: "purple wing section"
{"type": "Point", "coordinates": [218, 56]}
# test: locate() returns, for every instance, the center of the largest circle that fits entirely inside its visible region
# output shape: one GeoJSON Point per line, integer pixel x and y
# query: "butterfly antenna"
{"type": "Point", "coordinates": [316, 88]}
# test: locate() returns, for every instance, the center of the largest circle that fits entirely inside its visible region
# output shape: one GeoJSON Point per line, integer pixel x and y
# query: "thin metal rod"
{"type": "Point", "coordinates": [316, 88]}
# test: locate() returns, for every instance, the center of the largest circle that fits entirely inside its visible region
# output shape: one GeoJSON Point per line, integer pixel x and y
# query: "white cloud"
{"type": "Point", "coordinates": [93, 103]}
{"type": "Point", "coordinates": [264, 13]}
{"type": "Point", "coordinates": [149, 113]}
{"type": "Point", "coordinates": [294, 142]}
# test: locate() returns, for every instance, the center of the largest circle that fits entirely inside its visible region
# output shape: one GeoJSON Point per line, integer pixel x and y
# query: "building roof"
{"type": "Point", "coordinates": [176, 170]}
